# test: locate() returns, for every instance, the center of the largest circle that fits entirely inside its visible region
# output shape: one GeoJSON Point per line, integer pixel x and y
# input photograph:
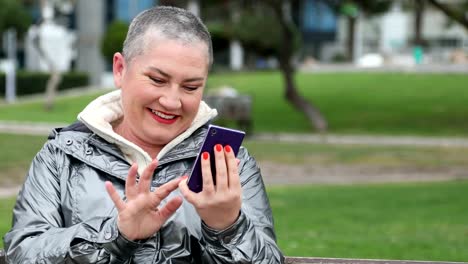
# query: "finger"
{"type": "Point", "coordinates": [145, 179]}
{"type": "Point", "coordinates": [232, 167]}
{"type": "Point", "coordinates": [167, 210]}
{"type": "Point", "coordinates": [164, 190]}
{"type": "Point", "coordinates": [208, 185]}
{"type": "Point", "coordinates": [186, 192]}
{"type": "Point", "coordinates": [115, 197]}
{"type": "Point", "coordinates": [130, 182]}
{"type": "Point", "coordinates": [221, 170]}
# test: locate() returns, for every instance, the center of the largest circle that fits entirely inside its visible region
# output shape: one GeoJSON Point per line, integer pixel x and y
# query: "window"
{"type": "Point", "coordinates": [317, 16]}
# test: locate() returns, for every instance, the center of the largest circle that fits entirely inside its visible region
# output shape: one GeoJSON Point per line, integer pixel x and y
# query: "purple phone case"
{"type": "Point", "coordinates": [215, 135]}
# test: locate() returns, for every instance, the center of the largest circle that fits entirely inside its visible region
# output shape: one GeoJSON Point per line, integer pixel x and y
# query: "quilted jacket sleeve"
{"type": "Point", "coordinates": [39, 234]}
{"type": "Point", "coordinates": [251, 239]}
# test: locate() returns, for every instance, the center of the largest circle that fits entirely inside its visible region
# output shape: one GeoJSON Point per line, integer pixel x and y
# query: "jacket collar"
{"type": "Point", "coordinates": [100, 113]}
{"type": "Point", "coordinates": [79, 141]}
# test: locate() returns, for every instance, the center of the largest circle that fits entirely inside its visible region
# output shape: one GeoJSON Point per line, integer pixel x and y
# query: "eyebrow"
{"type": "Point", "coordinates": [154, 69]}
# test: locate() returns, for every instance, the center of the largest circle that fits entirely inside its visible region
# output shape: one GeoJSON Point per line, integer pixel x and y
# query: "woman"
{"type": "Point", "coordinates": [135, 143]}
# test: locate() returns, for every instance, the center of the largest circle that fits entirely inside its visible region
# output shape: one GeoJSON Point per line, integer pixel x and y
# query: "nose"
{"type": "Point", "coordinates": [170, 100]}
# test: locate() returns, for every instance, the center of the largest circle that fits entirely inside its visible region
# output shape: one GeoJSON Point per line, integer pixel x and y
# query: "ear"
{"type": "Point", "coordinates": [118, 69]}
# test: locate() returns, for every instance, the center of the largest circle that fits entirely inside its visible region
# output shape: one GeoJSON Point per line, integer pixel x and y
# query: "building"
{"type": "Point", "coordinates": [323, 29]}
{"type": "Point", "coordinates": [391, 35]}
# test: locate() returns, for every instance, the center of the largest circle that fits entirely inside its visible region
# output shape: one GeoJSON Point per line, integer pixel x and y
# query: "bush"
{"type": "Point", "coordinates": [35, 82]}
{"type": "Point", "coordinates": [113, 39]}
{"type": "Point", "coordinates": [339, 57]}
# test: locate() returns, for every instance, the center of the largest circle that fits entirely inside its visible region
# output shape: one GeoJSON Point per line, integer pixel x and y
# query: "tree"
{"type": "Point", "coordinates": [265, 27]}
{"type": "Point", "coordinates": [284, 51]}
{"type": "Point", "coordinates": [47, 14]}
{"type": "Point", "coordinates": [13, 15]}
{"type": "Point", "coordinates": [352, 9]}
{"type": "Point", "coordinates": [418, 21]}
{"type": "Point", "coordinates": [457, 11]}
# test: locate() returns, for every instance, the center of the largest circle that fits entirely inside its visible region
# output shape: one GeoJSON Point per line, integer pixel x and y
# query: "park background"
{"type": "Point", "coordinates": [376, 169]}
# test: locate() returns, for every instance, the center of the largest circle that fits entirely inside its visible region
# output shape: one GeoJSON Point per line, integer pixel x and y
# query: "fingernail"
{"type": "Point", "coordinates": [205, 155]}
{"type": "Point", "coordinates": [219, 147]}
{"type": "Point", "coordinates": [184, 177]}
{"type": "Point", "coordinates": [227, 148]}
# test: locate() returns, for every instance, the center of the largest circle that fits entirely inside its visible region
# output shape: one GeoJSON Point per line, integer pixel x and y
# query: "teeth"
{"type": "Point", "coordinates": [162, 115]}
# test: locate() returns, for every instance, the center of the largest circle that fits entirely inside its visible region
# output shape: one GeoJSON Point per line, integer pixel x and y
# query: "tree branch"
{"type": "Point", "coordinates": [459, 17]}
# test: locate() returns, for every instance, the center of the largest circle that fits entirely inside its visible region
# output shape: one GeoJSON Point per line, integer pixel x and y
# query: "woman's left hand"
{"type": "Point", "coordinates": [218, 205]}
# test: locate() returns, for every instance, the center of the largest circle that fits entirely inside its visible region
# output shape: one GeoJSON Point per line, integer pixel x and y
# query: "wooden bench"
{"type": "Point", "coordinates": [299, 260]}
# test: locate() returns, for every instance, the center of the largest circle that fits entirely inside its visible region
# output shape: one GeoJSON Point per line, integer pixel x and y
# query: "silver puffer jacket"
{"type": "Point", "coordinates": [64, 215]}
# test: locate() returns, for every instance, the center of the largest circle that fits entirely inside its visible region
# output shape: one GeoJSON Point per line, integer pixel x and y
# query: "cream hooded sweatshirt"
{"type": "Point", "coordinates": [106, 109]}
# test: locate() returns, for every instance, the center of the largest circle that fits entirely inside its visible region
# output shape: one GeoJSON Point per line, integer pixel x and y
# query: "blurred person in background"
{"type": "Point", "coordinates": [108, 188]}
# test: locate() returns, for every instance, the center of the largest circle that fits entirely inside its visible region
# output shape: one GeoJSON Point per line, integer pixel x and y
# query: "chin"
{"type": "Point", "coordinates": [166, 134]}
{"type": "Point", "coordinates": [162, 140]}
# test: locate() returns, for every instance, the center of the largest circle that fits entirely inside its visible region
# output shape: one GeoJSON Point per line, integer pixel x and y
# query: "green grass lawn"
{"type": "Point", "coordinates": [327, 154]}
{"type": "Point", "coordinates": [6, 212]}
{"type": "Point", "coordinates": [66, 109]}
{"type": "Point", "coordinates": [381, 103]}
{"type": "Point", "coordinates": [18, 152]}
{"type": "Point", "coordinates": [424, 221]}
{"type": "Point", "coordinates": [22, 148]}
{"type": "Point", "coordinates": [385, 103]}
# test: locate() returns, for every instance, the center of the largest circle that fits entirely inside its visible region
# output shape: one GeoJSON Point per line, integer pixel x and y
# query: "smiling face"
{"type": "Point", "coordinates": [161, 91]}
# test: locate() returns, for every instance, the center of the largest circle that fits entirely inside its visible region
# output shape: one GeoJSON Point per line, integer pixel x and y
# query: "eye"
{"type": "Point", "coordinates": [190, 88]}
{"type": "Point", "coordinates": [157, 80]}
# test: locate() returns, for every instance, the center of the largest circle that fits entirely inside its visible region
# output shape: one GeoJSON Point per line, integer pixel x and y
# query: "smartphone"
{"type": "Point", "coordinates": [215, 135]}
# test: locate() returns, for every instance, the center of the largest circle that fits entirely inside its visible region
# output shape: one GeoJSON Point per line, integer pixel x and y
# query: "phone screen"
{"type": "Point", "coordinates": [215, 135]}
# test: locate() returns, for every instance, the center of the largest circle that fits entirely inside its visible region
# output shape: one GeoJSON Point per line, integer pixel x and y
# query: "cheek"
{"type": "Point", "coordinates": [132, 102]}
{"type": "Point", "coordinates": [137, 93]}
{"type": "Point", "coordinates": [192, 103]}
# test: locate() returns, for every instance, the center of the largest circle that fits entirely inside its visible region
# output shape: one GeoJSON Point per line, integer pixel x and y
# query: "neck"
{"type": "Point", "coordinates": [152, 149]}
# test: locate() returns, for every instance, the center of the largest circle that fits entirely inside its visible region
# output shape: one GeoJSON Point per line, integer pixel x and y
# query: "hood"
{"type": "Point", "coordinates": [101, 112]}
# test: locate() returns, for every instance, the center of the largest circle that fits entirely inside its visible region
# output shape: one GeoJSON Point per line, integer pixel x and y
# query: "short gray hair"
{"type": "Point", "coordinates": [169, 22]}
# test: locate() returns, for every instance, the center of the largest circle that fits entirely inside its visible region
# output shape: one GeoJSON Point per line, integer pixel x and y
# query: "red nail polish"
{"type": "Point", "coordinates": [205, 155]}
{"type": "Point", "coordinates": [219, 147]}
{"type": "Point", "coordinates": [227, 148]}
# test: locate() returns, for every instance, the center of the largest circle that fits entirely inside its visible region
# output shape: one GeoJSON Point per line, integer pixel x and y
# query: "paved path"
{"type": "Point", "coordinates": [347, 67]}
{"type": "Point", "coordinates": [366, 140]}
{"type": "Point", "coordinates": [9, 191]}
{"type": "Point", "coordinates": [28, 128]}
{"type": "Point", "coordinates": [31, 128]}
{"type": "Point", "coordinates": [275, 173]}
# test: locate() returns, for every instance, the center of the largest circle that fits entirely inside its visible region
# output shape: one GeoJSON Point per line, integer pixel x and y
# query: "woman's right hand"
{"type": "Point", "coordinates": [139, 216]}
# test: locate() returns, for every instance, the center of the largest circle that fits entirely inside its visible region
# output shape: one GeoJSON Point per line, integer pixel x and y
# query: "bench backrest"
{"type": "Point", "coordinates": [299, 260]}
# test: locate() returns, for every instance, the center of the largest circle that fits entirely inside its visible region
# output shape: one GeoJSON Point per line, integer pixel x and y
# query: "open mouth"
{"type": "Point", "coordinates": [164, 118]}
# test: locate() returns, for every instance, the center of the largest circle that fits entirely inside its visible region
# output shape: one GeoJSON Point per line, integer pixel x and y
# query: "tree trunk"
{"type": "Point", "coordinates": [55, 76]}
{"type": "Point", "coordinates": [351, 37]}
{"type": "Point", "coordinates": [460, 17]}
{"type": "Point", "coordinates": [51, 88]}
{"type": "Point", "coordinates": [291, 94]}
{"type": "Point", "coordinates": [418, 22]}
{"type": "Point", "coordinates": [300, 103]}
